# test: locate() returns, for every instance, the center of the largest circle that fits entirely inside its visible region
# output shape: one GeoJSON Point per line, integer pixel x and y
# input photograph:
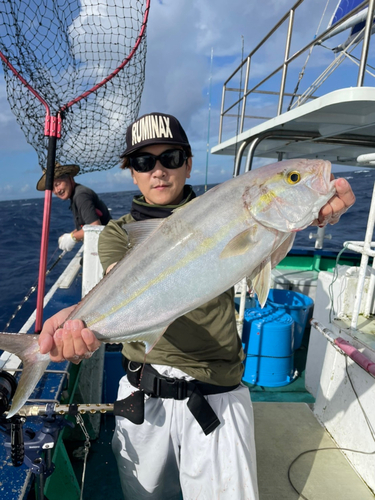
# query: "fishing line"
{"type": "Point", "coordinates": [335, 276]}
{"type": "Point", "coordinates": [369, 425]}
{"type": "Point", "coordinates": [358, 60]}
{"type": "Point", "coordinates": [33, 288]}
{"type": "Point", "coordinates": [239, 103]}
{"type": "Point", "coordinates": [87, 444]}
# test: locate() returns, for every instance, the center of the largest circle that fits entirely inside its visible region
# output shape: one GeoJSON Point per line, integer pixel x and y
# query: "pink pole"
{"type": "Point", "coordinates": [356, 355]}
{"type": "Point", "coordinates": [43, 260]}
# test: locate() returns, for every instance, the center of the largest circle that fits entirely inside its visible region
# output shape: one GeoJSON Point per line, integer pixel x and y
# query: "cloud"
{"type": "Point", "coordinates": [6, 189]}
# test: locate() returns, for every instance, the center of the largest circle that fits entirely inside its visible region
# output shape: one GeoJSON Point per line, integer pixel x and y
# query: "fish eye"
{"type": "Point", "coordinates": [293, 177]}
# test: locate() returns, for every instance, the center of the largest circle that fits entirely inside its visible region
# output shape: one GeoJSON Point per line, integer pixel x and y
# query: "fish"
{"type": "Point", "coordinates": [241, 228]}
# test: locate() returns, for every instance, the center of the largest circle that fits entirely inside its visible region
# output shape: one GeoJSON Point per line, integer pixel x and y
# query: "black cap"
{"type": "Point", "coordinates": [154, 128]}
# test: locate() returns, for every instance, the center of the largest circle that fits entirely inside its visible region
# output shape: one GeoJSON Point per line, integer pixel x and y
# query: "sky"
{"type": "Point", "coordinates": [193, 46]}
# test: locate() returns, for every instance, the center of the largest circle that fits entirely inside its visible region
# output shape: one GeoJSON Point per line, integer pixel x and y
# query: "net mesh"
{"type": "Point", "coordinates": [63, 48]}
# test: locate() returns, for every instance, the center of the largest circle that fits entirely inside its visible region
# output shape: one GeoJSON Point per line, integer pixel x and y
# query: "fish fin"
{"type": "Point", "coordinates": [282, 250]}
{"type": "Point", "coordinates": [26, 347]}
{"type": "Point", "coordinates": [148, 337]}
{"type": "Point", "coordinates": [139, 231]}
{"type": "Point", "coordinates": [153, 339]}
{"type": "Point", "coordinates": [240, 244]}
{"type": "Point", "coordinates": [261, 280]}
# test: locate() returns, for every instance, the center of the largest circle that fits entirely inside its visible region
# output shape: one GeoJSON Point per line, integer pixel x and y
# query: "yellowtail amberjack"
{"type": "Point", "coordinates": [242, 227]}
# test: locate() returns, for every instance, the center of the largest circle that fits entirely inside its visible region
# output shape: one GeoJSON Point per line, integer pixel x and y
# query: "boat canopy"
{"type": "Point", "coordinates": [338, 127]}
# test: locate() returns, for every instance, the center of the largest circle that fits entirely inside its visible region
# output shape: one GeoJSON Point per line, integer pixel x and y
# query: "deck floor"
{"type": "Point", "coordinates": [282, 432]}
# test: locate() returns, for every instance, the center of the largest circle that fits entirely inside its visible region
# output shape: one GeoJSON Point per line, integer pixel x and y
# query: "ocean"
{"type": "Point", "coordinates": [22, 225]}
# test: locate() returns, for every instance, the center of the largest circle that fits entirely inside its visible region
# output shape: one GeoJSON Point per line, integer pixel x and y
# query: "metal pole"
{"type": "Point", "coordinates": [285, 66]}
{"type": "Point", "coordinates": [366, 43]}
{"type": "Point", "coordinates": [364, 261]}
{"type": "Point", "coordinates": [209, 118]}
{"type": "Point", "coordinates": [370, 292]}
{"type": "Point", "coordinates": [245, 93]}
{"type": "Point", "coordinates": [251, 152]}
{"type": "Point", "coordinates": [222, 114]}
{"type": "Point", "coordinates": [237, 165]}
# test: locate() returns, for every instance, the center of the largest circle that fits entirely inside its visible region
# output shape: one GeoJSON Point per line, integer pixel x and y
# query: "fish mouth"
{"type": "Point", "coordinates": [323, 185]}
{"type": "Point", "coordinates": [322, 182]}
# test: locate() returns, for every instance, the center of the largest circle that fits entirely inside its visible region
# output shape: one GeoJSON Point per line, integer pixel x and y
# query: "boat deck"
{"type": "Point", "coordinates": [282, 432]}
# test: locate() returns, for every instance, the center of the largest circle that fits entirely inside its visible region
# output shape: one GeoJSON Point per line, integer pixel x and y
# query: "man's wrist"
{"type": "Point", "coordinates": [73, 237]}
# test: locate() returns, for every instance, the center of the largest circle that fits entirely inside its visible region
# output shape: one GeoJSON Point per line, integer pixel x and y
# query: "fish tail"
{"type": "Point", "coordinates": [26, 347]}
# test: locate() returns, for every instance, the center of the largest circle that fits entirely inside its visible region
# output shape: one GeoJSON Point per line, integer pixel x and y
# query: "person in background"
{"type": "Point", "coordinates": [85, 204]}
{"type": "Point", "coordinates": [197, 437]}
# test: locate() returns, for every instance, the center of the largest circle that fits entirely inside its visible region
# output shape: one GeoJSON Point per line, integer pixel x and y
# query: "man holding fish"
{"type": "Point", "coordinates": [197, 437]}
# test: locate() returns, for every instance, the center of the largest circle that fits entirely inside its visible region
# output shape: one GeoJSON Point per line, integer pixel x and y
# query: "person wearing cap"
{"type": "Point", "coordinates": [85, 204]}
{"type": "Point", "coordinates": [197, 437]}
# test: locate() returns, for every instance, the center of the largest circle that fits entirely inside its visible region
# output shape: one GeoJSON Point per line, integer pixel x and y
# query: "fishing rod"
{"type": "Point", "coordinates": [31, 291]}
{"type": "Point", "coordinates": [39, 410]}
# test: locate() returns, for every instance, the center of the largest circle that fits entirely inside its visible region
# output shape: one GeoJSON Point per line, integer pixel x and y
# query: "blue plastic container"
{"type": "Point", "coordinates": [268, 339]}
{"type": "Point", "coordinates": [297, 305]}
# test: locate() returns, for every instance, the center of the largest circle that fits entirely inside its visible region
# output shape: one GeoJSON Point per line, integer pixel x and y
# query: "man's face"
{"type": "Point", "coordinates": [63, 187]}
{"type": "Point", "coordinates": [162, 186]}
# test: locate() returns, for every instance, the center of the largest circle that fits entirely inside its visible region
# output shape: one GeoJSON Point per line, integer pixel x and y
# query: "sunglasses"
{"type": "Point", "coordinates": [145, 162]}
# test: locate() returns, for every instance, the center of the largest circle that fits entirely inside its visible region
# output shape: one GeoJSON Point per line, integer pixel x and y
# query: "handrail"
{"type": "Point", "coordinates": [289, 59]}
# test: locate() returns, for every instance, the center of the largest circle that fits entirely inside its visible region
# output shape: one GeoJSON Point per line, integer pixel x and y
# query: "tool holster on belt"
{"type": "Point", "coordinates": [149, 381]}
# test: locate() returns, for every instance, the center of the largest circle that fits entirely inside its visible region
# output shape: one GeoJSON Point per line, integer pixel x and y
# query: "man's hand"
{"type": "Point", "coordinates": [72, 342]}
{"type": "Point", "coordinates": [337, 205]}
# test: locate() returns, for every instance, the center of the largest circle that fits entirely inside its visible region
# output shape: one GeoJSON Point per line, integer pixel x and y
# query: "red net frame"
{"type": "Point", "coordinates": [20, 58]}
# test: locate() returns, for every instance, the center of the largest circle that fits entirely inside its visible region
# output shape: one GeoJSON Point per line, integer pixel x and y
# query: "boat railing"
{"type": "Point", "coordinates": [367, 249]}
{"type": "Point", "coordinates": [246, 65]}
{"type": "Point", "coordinates": [92, 271]}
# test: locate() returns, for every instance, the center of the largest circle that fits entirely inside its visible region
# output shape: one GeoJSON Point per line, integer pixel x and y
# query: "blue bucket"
{"type": "Point", "coordinates": [268, 343]}
{"type": "Point", "coordinates": [297, 305]}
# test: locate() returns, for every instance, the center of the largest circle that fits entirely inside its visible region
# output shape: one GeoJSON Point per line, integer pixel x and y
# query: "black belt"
{"type": "Point", "coordinates": [149, 381]}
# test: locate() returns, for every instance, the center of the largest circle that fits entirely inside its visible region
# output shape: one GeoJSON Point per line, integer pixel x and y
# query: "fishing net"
{"type": "Point", "coordinates": [86, 62]}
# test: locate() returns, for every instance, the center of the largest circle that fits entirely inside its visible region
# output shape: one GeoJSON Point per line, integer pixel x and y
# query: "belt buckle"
{"type": "Point", "coordinates": [178, 388]}
{"type": "Point", "coordinates": [181, 388]}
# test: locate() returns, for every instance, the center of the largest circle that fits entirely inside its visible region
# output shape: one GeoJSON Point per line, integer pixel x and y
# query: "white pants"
{"type": "Point", "coordinates": [169, 457]}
